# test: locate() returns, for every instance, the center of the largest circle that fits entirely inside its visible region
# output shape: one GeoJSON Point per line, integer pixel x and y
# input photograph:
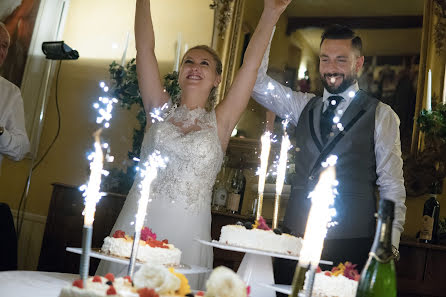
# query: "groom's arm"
{"type": "Point", "coordinates": [274, 96]}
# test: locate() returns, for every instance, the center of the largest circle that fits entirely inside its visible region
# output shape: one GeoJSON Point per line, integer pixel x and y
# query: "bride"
{"type": "Point", "coordinates": [193, 135]}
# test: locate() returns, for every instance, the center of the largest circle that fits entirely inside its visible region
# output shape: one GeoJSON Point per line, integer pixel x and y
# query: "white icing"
{"type": "Point", "coordinates": [332, 286]}
{"type": "Point", "coordinates": [123, 248]}
{"type": "Point", "coordinates": [99, 289]}
{"type": "Point", "coordinates": [260, 239]}
{"type": "Point", "coordinates": [155, 277]}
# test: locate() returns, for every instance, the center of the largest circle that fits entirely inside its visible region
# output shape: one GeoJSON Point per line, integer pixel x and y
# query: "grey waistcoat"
{"type": "Point", "coordinates": [355, 169]}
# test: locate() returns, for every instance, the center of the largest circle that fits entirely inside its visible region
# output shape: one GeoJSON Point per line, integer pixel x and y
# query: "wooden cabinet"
{"type": "Point", "coordinates": [421, 270]}
{"type": "Point", "coordinates": [64, 226]}
{"type": "Point", "coordinates": [65, 222]}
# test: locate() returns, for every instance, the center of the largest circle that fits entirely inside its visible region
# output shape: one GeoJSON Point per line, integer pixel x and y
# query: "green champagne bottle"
{"type": "Point", "coordinates": [378, 278]}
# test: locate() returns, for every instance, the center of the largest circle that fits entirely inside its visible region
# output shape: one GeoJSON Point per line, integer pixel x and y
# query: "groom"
{"type": "Point", "coordinates": [349, 123]}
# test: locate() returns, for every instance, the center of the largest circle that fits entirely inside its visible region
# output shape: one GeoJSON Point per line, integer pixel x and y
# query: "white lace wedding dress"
{"type": "Point", "coordinates": [181, 207]}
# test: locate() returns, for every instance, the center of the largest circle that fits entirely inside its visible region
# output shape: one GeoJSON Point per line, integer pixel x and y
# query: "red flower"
{"type": "Point", "coordinates": [78, 283]}
{"type": "Point", "coordinates": [119, 234]}
{"type": "Point", "coordinates": [111, 291]}
{"type": "Point", "coordinates": [350, 271]}
{"type": "Point", "coordinates": [147, 233]}
{"type": "Point", "coordinates": [97, 279]}
{"type": "Point", "coordinates": [110, 277]}
{"type": "Point", "coordinates": [262, 224]}
{"type": "Point", "coordinates": [146, 292]}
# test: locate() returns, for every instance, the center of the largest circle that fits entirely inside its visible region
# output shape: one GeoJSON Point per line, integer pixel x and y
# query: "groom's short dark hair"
{"type": "Point", "coordinates": [337, 31]}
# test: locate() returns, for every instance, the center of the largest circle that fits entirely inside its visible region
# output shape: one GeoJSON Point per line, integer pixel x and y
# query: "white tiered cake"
{"type": "Point", "coordinates": [260, 236]}
{"type": "Point", "coordinates": [341, 281]}
{"type": "Point", "coordinates": [150, 250]}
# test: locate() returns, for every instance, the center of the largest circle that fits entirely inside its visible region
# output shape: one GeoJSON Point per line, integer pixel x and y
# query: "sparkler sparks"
{"type": "Point", "coordinates": [281, 170]}
{"type": "Point", "coordinates": [157, 113]}
{"type": "Point", "coordinates": [148, 174]}
{"type": "Point", "coordinates": [264, 155]}
{"type": "Point", "coordinates": [320, 216]}
{"type": "Point", "coordinates": [319, 219]}
{"type": "Point", "coordinates": [91, 192]}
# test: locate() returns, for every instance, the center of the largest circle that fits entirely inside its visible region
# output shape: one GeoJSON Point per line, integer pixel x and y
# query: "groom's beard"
{"type": "Point", "coordinates": [347, 81]}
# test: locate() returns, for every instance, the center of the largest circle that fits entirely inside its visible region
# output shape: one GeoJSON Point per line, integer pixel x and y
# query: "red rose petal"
{"type": "Point", "coordinates": [78, 283]}
{"type": "Point", "coordinates": [119, 234]}
{"type": "Point", "coordinates": [146, 292]}
{"type": "Point", "coordinates": [111, 291]}
{"type": "Point", "coordinates": [110, 277]}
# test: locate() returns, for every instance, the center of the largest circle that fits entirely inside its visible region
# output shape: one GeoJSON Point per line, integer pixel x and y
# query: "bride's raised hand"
{"type": "Point", "coordinates": [277, 6]}
{"type": "Point", "coordinates": [152, 92]}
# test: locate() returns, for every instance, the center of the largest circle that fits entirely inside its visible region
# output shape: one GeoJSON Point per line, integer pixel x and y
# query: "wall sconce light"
{"type": "Point", "coordinates": [58, 50]}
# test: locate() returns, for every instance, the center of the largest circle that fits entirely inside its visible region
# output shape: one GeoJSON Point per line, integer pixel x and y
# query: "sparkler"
{"type": "Point", "coordinates": [264, 155]}
{"type": "Point", "coordinates": [149, 174]}
{"type": "Point", "coordinates": [92, 190]}
{"type": "Point", "coordinates": [319, 219]}
{"type": "Point", "coordinates": [281, 169]}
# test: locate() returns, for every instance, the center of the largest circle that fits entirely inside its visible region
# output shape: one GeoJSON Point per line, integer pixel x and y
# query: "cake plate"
{"type": "Point", "coordinates": [284, 289]}
{"type": "Point", "coordinates": [182, 268]}
{"type": "Point", "coordinates": [256, 268]}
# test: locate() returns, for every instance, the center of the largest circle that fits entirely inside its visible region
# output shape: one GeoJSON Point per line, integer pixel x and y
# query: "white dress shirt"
{"type": "Point", "coordinates": [14, 141]}
{"type": "Point", "coordinates": [287, 103]}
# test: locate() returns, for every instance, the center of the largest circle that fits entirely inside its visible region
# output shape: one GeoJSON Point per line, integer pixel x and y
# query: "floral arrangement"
{"type": "Point", "coordinates": [346, 269]}
{"type": "Point", "coordinates": [124, 81]}
{"type": "Point", "coordinates": [426, 170]}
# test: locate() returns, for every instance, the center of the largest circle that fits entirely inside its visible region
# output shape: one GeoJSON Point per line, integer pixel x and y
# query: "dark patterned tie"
{"type": "Point", "coordinates": [327, 117]}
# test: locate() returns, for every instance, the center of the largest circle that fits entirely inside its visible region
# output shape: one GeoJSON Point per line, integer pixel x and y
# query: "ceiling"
{"type": "Point", "coordinates": [379, 42]}
{"type": "Point", "coordinates": [309, 8]}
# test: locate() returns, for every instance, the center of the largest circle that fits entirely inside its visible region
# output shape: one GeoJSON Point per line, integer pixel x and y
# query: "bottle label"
{"type": "Point", "coordinates": [233, 202]}
{"type": "Point", "coordinates": [428, 226]}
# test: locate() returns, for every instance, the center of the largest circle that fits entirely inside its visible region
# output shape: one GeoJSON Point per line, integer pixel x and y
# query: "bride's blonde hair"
{"type": "Point", "coordinates": [212, 99]}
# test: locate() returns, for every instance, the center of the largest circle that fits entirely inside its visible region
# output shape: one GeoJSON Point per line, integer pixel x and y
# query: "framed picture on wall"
{"type": "Point", "coordinates": [19, 16]}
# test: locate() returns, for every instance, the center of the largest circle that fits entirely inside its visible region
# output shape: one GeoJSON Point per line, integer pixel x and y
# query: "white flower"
{"type": "Point", "coordinates": [223, 282]}
{"type": "Point", "coordinates": [156, 277]}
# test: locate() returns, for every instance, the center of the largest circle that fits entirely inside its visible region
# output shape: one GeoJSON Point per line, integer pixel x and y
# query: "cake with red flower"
{"type": "Point", "coordinates": [260, 236]}
{"type": "Point", "coordinates": [150, 249]}
{"type": "Point", "coordinates": [341, 281]}
{"type": "Point", "coordinates": [149, 281]}
{"type": "Point", "coordinates": [157, 281]}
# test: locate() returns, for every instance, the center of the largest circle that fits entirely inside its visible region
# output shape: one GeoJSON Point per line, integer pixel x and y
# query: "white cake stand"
{"type": "Point", "coordinates": [182, 268]}
{"type": "Point", "coordinates": [256, 268]}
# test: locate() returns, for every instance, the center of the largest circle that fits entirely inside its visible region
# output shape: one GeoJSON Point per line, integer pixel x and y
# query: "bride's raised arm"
{"type": "Point", "coordinates": [152, 91]}
{"type": "Point", "coordinates": [231, 108]}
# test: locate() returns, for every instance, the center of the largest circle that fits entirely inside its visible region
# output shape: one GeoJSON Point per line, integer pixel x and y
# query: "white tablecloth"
{"type": "Point", "coordinates": [33, 283]}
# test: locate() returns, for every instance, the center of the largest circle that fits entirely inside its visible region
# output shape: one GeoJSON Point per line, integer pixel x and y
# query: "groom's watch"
{"type": "Point", "coordinates": [2, 129]}
{"type": "Point", "coordinates": [396, 253]}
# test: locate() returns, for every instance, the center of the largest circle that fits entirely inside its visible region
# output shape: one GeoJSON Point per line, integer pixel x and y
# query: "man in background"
{"type": "Point", "coordinates": [14, 142]}
{"type": "Point", "coordinates": [351, 124]}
